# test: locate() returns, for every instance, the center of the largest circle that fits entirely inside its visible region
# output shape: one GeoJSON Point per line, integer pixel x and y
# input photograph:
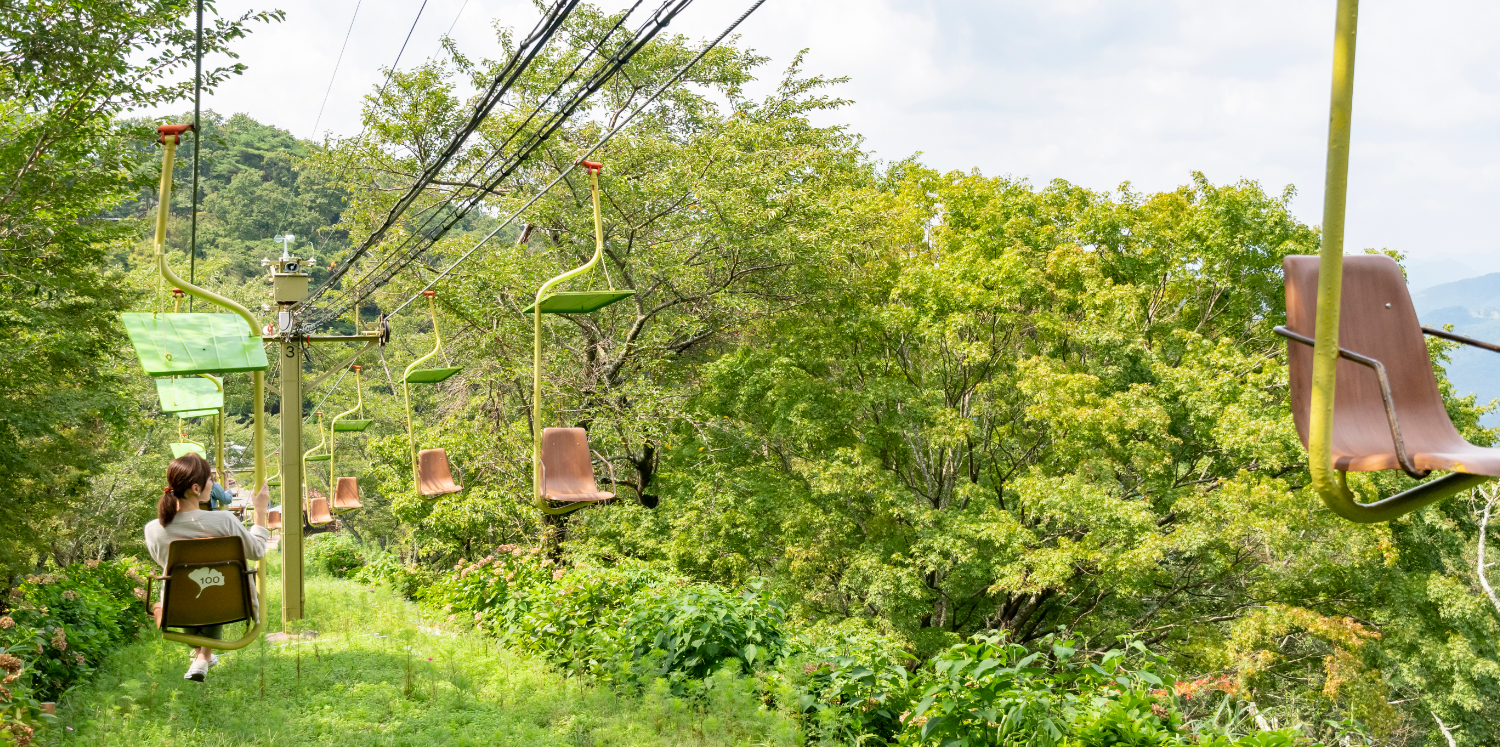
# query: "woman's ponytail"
{"type": "Point", "coordinates": [182, 474]}
{"type": "Point", "coordinates": [166, 508]}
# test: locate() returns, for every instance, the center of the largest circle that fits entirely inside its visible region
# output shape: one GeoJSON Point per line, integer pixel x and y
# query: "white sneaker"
{"type": "Point", "coordinates": [213, 659]}
{"type": "Point", "coordinates": [198, 671]}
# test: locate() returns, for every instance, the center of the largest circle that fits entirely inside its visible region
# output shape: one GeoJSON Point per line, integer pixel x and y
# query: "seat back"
{"type": "Point", "coordinates": [273, 518]}
{"type": "Point", "coordinates": [346, 494]}
{"type": "Point", "coordinates": [1376, 319]}
{"type": "Point", "coordinates": [565, 459]}
{"type": "Point", "coordinates": [317, 512]}
{"type": "Point", "coordinates": [208, 583]}
{"type": "Point", "coordinates": [433, 476]}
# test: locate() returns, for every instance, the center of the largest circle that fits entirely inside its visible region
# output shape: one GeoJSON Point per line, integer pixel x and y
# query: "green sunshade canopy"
{"type": "Point", "coordinates": [318, 458]}
{"type": "Point", "coordinates": [181, 344]}
{"type": "Point", "coordinates": [274, 482]}
{"type": "Point", "coordinates": [352, 426]}
{"type": "Point", "coordinates": [197, 413]}
{"type": "Point", "coordinates": [190, 394]}
{"type": "Point", "coordinates": [431, 375]}
{"type": "Point", "coordinates": [579, 302]}
{"type": "Point", "coordinates": [179, 450]}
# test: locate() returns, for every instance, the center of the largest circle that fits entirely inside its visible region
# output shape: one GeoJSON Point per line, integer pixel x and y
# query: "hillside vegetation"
{"type": "Point", "coordinates": [893, 423]}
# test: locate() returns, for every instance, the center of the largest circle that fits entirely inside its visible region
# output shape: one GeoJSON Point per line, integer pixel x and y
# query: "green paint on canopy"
{"type": "Point", "coordinates": [197, 413]}
{"type": "Point", "coordinates": [431, 375]}
{"type": "Point", "coordinates": [180, 344]}
{"type": "Point", "coordinates": [351, 426]}
{"type": "Point", "coordinates": [318, 458]}
{"type": "Point", "coordinates": [190, 394]}
{"type": "Point", "coordinates": [579, 302]}
{"type": "Point", "coordinates": [178, 450]}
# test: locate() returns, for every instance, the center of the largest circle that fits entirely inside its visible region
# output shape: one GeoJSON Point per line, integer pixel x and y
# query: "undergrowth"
{"type": "Point", "coordinates": [379, 672]}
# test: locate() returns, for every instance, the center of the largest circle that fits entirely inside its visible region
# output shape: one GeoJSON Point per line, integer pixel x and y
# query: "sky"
{"type": "Point", "coordinates": [1097, 92]}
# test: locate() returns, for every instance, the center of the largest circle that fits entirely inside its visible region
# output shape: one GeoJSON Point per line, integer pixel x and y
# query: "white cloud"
{"type": "Point", "coordinates": [1093, 91]}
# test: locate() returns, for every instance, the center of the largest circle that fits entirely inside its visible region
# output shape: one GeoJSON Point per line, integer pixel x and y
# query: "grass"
{"type": "Point", "coordinates": [380, 673]}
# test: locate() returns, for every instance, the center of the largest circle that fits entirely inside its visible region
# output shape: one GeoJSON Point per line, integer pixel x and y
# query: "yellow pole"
{"type": "Point", "coordinates": [1328, 481]}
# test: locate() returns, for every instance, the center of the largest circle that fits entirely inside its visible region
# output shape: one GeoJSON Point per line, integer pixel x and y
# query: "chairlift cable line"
{"type": "Point", "coordinates": [376, 276]}
{"type": "Point", "coordinates": [455, 18]}
{"type": "Point", "coordinates": [336, 64]}
{"type": "Point", "coordinates": [518, 63]}
{"type": "Point", "coordinates": [661, 18]}
{"type": "Point", "coordinates": [477, 173]}
{"type": "Point", "coordinates": [392, 72]}
{"type": "Point", "coordinates": [602, 140]}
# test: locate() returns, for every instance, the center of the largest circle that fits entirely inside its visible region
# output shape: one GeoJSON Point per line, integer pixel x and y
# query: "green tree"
{"type": "Point", "coordinates": [67, 69]}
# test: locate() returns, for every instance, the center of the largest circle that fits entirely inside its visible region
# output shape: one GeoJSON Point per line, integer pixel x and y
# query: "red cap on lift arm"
{"type": "Point", "coordinates": [174, 130]}
{"type": "Point", "coordinates": [429, 294]}
{"type": "Point", "coordinates": [176, 291]}
{"type": "Point", "coordinates": [592, 166]}
{"type": "Point", "coordinates": [356, 368]}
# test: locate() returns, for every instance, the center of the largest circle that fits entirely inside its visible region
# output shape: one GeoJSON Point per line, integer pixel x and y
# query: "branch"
{"type": "Point", "coordinates": [1484, 523]}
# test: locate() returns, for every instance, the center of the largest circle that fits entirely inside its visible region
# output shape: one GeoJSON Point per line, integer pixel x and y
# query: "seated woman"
{"type": "Point", "coordinates": [179, 517]}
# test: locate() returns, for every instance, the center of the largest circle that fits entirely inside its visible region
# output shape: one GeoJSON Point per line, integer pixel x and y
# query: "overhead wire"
{"type": "Point", "coordinates": [336, 64]}
{"type": "Point", "coordinates": [392, 72]}
{"type": "Point", "coordinates": [421, 232]}
{"type": "Point", "coordinates": [598, 144]}
{"type": "Point", "coordinates": [454, 25]}
{"type": "Point", "coordinates": [420, 240]}
{"type": "Point", "coordinates": [526, 51]}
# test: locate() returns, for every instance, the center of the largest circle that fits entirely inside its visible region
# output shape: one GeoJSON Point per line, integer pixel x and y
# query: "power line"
{"type": "Point", "coordinates": [336, 64]}
{"type": "Point", "coordinates": [402, 51]}
{"type": "Point", "coordinates": [423, 236]}
{"type": "Point", "coordinates": [455, 18]}
{"type": "Point", "coordinates": [526, 51]}
{"type": "Point", "coordinates": [611, 133]}
{"type": "Point", "coordinates": [418, 241]}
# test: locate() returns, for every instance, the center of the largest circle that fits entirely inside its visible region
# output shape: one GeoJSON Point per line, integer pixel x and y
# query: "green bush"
{"type": "Point", "coordinates": [629, 625]}
{"type": "Point", "coordinates": [57, 627]}
{"type": "Point", "coordinates": [406, 579]}
{"type": "Point", "coordinates": [991, 691]}
{"type": "Point", "coordinates": [336, 553]}
{"type": "Point", "coordinates": [843, 682]}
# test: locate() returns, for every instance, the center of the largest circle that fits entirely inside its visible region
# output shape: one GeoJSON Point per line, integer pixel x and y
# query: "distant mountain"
{"type": "Point", "coordinates": [1472, 306]}
{"type": "Point", "coordinates": [1480, 296]}
{"type": "Point", "coordinates": [1426, 273]}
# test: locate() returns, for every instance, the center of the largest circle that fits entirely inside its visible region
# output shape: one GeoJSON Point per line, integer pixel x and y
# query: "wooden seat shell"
{"type": "Point", "coordinates": [434, 477]}
{"type": "Point", "coordinates": [567, 469]}
{"type": "Point", "coordinates": [1376, 320]}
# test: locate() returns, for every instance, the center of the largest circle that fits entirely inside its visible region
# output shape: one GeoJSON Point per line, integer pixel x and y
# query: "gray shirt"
{"type": "Point", "coordinates": [200, 524]}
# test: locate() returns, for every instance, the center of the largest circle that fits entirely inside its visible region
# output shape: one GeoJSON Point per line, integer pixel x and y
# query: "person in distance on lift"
{"type": "Point", "coordinates": [189, 481]}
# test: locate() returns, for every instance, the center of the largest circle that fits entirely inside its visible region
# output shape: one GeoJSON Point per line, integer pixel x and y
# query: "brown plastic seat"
{"type": "Point", "coordinates": [1377, 320]}
{"type": "Point", "coordinates": [273, 518]}
{"type": "Point", "coordinates": [207, 583]}
{"type": "Point", "coordinates": [433, 476]}
{"type": "Point", "coordinates": [567, 470]}
{"type": "Point", "coordinates": [346, 495]}
{"type": "Point", "coordinates": [317, 512]}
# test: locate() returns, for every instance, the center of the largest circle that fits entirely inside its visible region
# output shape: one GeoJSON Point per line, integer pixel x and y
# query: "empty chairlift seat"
{"type": "Point", "coordinates": [346, 495]}
{"type": "Point", "coordinates": [1376, 321]}
{"type": "Point", "coordinates": [317, 512]}
{"type": "Point", "coordinates": [567, 471]}
{"type": "Point", "coordinates": [434, 477]}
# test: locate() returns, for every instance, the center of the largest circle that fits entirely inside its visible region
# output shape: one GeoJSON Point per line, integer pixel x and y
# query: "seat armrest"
{"type": "Point", "coordinates": [613, 486]}
{"type": "Point", "coordinates": [1446, 335]}
{"type": "Point", "coordinates": [1385, 395]}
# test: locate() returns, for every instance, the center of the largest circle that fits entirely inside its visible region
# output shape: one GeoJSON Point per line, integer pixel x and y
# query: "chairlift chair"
{"type": "Point", "coordinates": [562, 470]}
{"type": "Point", "coordinates": [1363, 393]}
{"type": "Point", "coordinates": [208, 582]}
{"type": "Point", "coordinates": [316, 509]}
{"type": "Point", "coordinates": [346, 489]}
{"type": "Point", "coordinates": [430, 471]}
